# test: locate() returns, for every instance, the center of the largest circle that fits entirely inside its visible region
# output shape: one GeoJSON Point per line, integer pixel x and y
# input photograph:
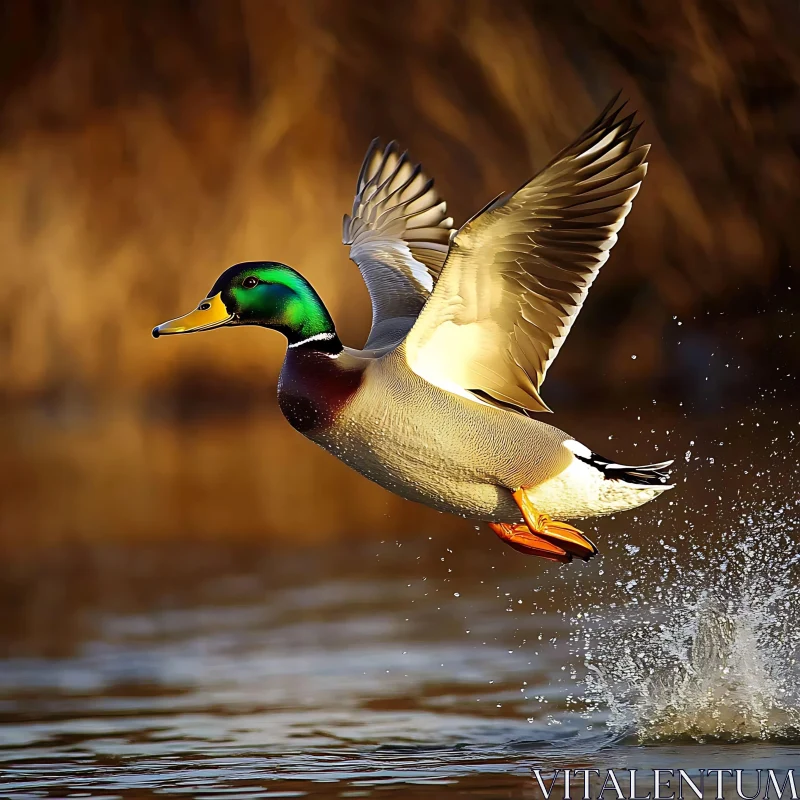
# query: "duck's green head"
{"type": "Point", "coordinates": [261, 293]}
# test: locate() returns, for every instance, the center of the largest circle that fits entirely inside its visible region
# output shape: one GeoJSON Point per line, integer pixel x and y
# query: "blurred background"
{"type": "Point", "coordinates": [147, 145]}
{"type": "Point", "coordinates": [192, 593]}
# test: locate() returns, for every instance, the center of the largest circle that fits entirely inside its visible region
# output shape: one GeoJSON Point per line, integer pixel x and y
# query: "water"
{"type": "Point", "coordinates": [422, 666]}
{"type": "Point", "coordinates": [708, 650]}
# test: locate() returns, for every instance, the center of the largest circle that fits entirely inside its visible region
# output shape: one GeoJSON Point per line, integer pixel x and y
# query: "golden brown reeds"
{"type": "Point", "coordinates": [147, 145]}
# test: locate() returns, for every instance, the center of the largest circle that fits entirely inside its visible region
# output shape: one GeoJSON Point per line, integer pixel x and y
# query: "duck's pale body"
{"type": "Point", "coordinates": [445, 451]}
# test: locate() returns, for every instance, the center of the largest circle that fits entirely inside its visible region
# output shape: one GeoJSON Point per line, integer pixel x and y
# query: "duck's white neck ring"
{"type": "Point", "coordinates": [317, 337]}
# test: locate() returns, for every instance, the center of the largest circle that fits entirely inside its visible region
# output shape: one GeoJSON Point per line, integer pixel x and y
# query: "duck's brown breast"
{"type": "Point", "coordinates": [314, 388]}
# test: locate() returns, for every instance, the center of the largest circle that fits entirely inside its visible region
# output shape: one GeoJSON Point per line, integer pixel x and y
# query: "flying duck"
{"type": "Point", "coordinates": [443, 404]}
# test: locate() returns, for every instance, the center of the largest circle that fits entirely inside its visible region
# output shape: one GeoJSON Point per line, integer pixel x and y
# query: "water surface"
{"type": "Point", "coordinates": [419, 666]}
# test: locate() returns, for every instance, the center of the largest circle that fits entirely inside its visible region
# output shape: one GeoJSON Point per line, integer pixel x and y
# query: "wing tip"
{"type": "Point", "coordinates": [607, 120]}
{"type": "Point", "coordinates": [392, 188]}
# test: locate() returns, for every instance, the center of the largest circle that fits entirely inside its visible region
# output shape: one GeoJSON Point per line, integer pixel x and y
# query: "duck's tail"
{"type": "Point", "coordinates": [650, 475]}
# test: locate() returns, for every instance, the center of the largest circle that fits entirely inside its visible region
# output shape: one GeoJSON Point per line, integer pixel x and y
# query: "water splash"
{"type": "Point", "coordinates": [705, 652]}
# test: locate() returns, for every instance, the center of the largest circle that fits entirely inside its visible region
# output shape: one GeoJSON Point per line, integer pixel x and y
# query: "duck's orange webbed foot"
{"type": "Point", "coordinates": [559, 535]}
{"type": "Point", "coordinates": [520, 538]}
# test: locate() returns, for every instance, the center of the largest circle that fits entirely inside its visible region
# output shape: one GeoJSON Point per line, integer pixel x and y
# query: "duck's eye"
{"type": "Point", "coordinates": [250, 282]}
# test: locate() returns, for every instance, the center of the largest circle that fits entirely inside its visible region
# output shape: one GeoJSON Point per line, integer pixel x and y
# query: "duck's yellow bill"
{"type": "Point", "coordinates": [211, 313]}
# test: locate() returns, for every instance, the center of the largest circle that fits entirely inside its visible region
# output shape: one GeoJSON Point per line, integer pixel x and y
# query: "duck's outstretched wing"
{"type": "Point", "coordinates": [517, 273]}
{"type": "Point", "coordinates": [399, 235]}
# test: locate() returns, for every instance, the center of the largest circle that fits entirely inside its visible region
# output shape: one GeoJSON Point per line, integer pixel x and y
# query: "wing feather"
{"type": "Point", "coordinates": [399, 236]}
{"type": "Point", "coordinates": [518, 272]}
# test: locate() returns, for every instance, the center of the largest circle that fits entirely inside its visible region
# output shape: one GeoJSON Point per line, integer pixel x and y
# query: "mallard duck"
{"type": "Point", "coordinates": [443, 405]}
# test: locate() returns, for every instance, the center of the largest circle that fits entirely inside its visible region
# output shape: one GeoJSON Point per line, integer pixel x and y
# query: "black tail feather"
{"type": "Point", "coordinates": [644, 475]}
